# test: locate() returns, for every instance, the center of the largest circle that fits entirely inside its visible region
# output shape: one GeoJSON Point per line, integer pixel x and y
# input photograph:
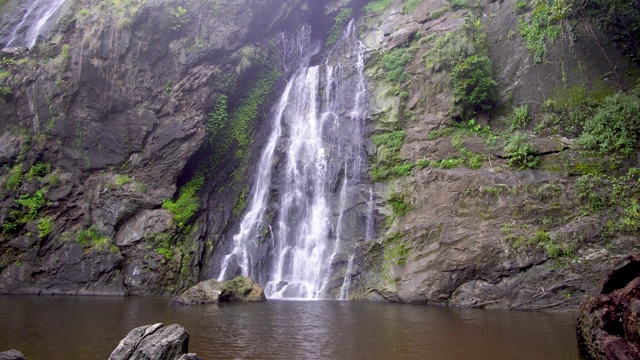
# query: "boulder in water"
{"type": "Point", "coordinates": [12, 355]}
{"type": "Point", "coordinates": [609, 323]}
{"type": "Point", "coordinates": [206, 292]}
{"type": "Point", "coordinates": [155, 342]}
{"type": "Point", "coordinates": [240, 289]}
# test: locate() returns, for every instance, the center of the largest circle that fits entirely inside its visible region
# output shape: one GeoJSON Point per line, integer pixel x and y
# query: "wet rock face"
{"type": "Point", "coordinates": [478, 237]}
{"type": "Point", "coordinates": [154, 342]}
{"type": "Point", "coordinates": [118, 115]}
{"type": "Point", "coordinates": [609, 323]}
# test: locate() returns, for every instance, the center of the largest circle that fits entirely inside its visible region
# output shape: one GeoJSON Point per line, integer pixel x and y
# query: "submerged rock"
{"type": "Point", "coordinates": [155, 342]}
{"type": "Point", "coordinates": [240, 289]}
{"type": "Point", "coordinates": [609, 323]}
{"type": "Point", "coordinates": [12, 355]}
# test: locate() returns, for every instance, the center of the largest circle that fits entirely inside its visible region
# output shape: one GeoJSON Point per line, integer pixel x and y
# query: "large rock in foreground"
{"type": "Point", "coordinates": [609, 323]}
{"type": "Point", "coordinates": [12, 355]}
{"type": "Point", "coordinates": [155, 342]}
{"type": "Point", "coordinates": [240, 289]}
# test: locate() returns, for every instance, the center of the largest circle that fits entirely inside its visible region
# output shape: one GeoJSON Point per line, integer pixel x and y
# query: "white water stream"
{"type": "Point", "coordinates": [37, 15]}
{"type": "Point", "coordinates": [308, 232]}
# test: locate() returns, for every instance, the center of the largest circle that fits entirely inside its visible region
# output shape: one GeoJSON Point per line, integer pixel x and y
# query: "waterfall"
{"type": "Point", "coordinates": [291, 242]}
{"type": "Point", "coordinates": [37, 15]}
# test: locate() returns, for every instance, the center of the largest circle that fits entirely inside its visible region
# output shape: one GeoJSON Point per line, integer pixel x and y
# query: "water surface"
{"type": "Point", "coordinates": [90, 328]}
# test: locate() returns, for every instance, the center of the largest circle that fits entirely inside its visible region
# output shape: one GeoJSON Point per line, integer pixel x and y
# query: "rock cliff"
{"type": "Point", "coordinates": [131, 131]}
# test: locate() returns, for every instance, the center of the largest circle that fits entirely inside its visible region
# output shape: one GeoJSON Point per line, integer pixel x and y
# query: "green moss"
{"type": "Point", "coordinates": [45, 227]}
{"type": "Point", "coordinates": [336, 31]}
{"type": "Point", "coordinates": [398, 204]}
{"type": "Point", "coordinates": [93, 237]}
{"type": "Point", "coordinates": [241, 204]}
{"type": "Point", "coordinates": [396, 252]}
{"type": "Point", "coordinates": [15, 178]}
{"type": "Point", "coordinates": [394, 139]}
{"type": "Point", "coordinates": [122, 180]}
{"type": "Point", "coordinates": [393, 63]}
{"type": "Point", "coordinates": [410, 5]}
{"type": "Point", "coordinates": [186, 206]}
{"type": "Point", "coordinates": [377, 6]}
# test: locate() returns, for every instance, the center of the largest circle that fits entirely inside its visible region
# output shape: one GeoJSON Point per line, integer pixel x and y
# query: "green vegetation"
{"type": "Point", "coordinates": [31, 204]}
{"type": "Point", "coordinates": [458, 4]}
{"type": "Point", "coordinates": [164, 244]}
{"type": "Point", "coordinates": [45, 227]}
{"type": "Point", "coordinates": [122, 180]}
{"type": "Point", "coordinates": [569, 110]}
{"type": "Point", "coordinates": [377, 6]}
{"type": "Point", "coordinates": [393, 139]}
{"type": "Point", "coordinates": [336, 31]}
{"type": "Point", "coordinates": [464, 53]}
{"type": "Point", "coordinates": [241, 203]}
{"type": "Point", "coordinates": [410, 5]}
{"type": "Point", "coordinates": [521, 7]}
{"type": "Point", "coordinates": [388, 164]}
{"type": "Point", "coordinates": [186, 206]}
{"type": "Point", "coordinates": [394, 61]}
{"type": "Point", "coordinates": [15, 178]}
{"type": "Point", "coordinates": [473, 86]}
{"type": "Point", "coordinates": [179, 18]}
{"type": "Point", "coordinates": [543, 26]}
{"type": "Point", "coordinates": [93, 237]}
{"type": "Point", "coordinates": [396, 252]}
{"type": "Point", "coordinates": [521, 153]}
{"type": "Point", "coordinates": [616, 195]}
{"type": "Point", "coordinates": [39, 170]}
{"type": "Point", "coordinates": [605, 123]}
{"type": "Point", "coordinates": [398, 204]}
{"type": "Point", "coordinates": [615, 126]}
{"type": "Point", "coordinates": [518, 120]}
{"type": "Point", "coordinates": [450, 163]}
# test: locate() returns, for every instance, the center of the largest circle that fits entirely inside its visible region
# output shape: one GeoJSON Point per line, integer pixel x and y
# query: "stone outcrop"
{"type": "Point", "coordinates": [609, 322]}
{"type": "Point", "coordinates": [240, 289]}
{"type": "Point", "coordinates": [155, 342]}
{"type": "Point", "coordinates": [12, 355]}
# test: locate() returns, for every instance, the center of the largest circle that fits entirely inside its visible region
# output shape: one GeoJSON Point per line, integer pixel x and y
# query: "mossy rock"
{"type": "Point", "coordinates": [242, 289]}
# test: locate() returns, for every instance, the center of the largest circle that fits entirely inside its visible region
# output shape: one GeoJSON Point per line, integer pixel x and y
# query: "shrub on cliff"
{"type": "Point", "coordinates": [615, 126]}
{"type": "Point", "coordinates": [473, 86]}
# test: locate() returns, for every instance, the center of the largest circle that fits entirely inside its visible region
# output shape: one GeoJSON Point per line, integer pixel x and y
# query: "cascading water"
{"type": "Point", "coordinates": [316, 145]}
{"type": "Point", "coordinates": [36, 18]}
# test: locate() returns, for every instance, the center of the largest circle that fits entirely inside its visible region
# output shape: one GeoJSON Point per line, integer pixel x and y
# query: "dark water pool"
{"type": "Point", "coordinates": [90, 328]}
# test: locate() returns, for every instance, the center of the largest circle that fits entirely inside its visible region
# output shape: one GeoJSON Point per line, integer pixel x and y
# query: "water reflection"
{"type": "Point", "coordinates": [90, 328]}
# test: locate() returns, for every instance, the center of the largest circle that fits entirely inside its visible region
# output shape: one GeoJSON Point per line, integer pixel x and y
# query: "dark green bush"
{"type": "Point", "coordinates": [615, 127]}
{"type": "Point", "coordinates": [473, 86]}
